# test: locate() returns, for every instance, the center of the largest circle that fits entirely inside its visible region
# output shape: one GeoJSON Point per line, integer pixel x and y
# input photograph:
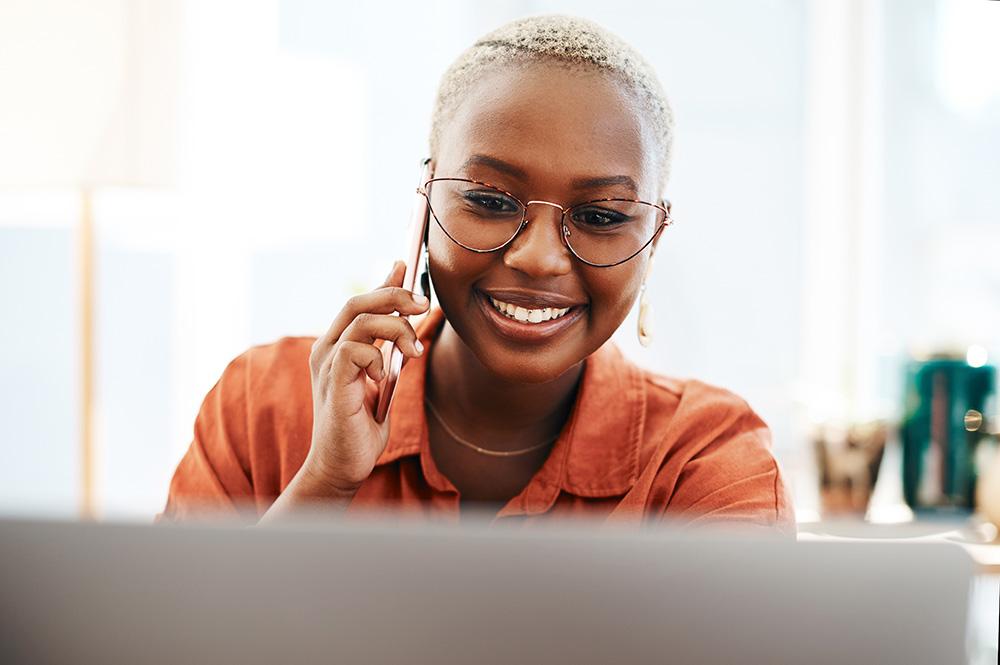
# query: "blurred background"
{"type": "Point", "coordinates": [180, 180]}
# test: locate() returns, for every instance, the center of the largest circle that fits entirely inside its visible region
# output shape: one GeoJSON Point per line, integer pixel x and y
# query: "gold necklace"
{"type": "Point", "coordinates": [478, 449]}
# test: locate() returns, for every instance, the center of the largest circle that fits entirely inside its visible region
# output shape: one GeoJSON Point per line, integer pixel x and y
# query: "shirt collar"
{"type": "Point", "coordinates": [597, 452]}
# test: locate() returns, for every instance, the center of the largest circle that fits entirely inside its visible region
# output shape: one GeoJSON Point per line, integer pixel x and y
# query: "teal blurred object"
{"type": "Point", "coordinates": [943, 424]}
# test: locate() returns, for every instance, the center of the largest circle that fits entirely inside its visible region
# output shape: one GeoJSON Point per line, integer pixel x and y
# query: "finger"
{"type": "Point", "coordinates": [342, 319]}
{"type": "Point", "coordinates": [369, 327]}
{"type": "Point", "coordinates": [354, 358]}
{"type": "Point", "coordinates": [372, 390]}
{"type": "Point", "coordinates": [372, 393]}
{"type": "Point", "coordinates": [384, 300]}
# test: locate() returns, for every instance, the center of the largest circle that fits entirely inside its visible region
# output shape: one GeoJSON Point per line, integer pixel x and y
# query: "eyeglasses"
{"type": "Point", "coordinates": [484, 218]}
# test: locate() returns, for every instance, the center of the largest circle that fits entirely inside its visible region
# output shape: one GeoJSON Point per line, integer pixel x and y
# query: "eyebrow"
{"type": "Point", "coordinates": [578, 184]}
{"type": "Point", "coordinates": [495, 164]}
{"type": "Point", "coordinates": [607, 181]}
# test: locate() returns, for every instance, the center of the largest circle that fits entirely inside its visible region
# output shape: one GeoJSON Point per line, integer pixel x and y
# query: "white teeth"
{"type": "Point", "coordinates": [525, 315]}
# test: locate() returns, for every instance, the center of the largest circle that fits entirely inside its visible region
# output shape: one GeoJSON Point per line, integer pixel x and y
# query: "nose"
{"type": "Point", "coordinates": [539, 250]}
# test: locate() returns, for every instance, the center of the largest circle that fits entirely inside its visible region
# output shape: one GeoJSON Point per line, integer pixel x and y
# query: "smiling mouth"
{"type": "Point", "coordinates": [529, 325]}
{"type": "Point", "coordinates": [525, 315]}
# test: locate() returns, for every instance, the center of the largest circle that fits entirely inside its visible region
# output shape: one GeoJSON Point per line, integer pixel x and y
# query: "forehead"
{"type": "Point", "coordinates": [553, 122]}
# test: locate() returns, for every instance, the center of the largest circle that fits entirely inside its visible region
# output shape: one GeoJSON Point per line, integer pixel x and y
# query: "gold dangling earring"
{"type": "Point", "coordinates": [645, 326]}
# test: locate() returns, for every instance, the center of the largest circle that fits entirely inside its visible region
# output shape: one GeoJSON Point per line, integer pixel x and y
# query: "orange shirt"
{"type": "Point", "coordinates": [637, 447]}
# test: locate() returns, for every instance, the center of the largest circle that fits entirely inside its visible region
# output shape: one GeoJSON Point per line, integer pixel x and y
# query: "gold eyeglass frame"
{"type": "Point", "coordinates": [664, 208]}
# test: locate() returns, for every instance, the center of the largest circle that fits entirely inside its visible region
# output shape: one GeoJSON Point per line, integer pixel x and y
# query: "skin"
{"type": "Point", "coordinates": [543, 129]}
{"type": "Point", "coordinates": [561, 127]}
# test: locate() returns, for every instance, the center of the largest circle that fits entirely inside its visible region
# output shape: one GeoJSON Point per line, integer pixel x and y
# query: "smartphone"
{"type": "Point", "coordinates": [392, 357]}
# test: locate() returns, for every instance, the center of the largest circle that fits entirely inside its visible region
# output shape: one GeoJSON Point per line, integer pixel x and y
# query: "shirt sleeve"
{"type": "Point", "coordinates": [213, 478]}
{"type": "Point", "coordinates": [733, 479]}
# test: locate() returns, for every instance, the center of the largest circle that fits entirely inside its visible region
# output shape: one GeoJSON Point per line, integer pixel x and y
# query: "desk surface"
{"type": "Point", "coordinates": [978, 539]}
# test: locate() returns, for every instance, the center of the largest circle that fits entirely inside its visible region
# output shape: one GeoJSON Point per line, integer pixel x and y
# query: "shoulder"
{"type": "Point", "coordinates": [705, 452]}
{"type": "Point", "coordinates": [273, 384]}
{"type": "Point", "coordinates": [674, 412]}
{"type": "Point", "coordinates": [690, 410]}
{"type": "Point", "coordinates": [265, 373]}
{"type": "Point", "coordinates": [273, 361]}
{"type": "Point", "coordinates": [250, 433]}
{"type": "Point", "coordinates": [262, 390]}
{"type": "Point", "coordinates": [679, 418]}
{"type": "Point", "coordinates": [692, 424]}
{"type": "Point", "coordinates": [266, 396]}
{"type": "Point", "coordinates": [271, 367]}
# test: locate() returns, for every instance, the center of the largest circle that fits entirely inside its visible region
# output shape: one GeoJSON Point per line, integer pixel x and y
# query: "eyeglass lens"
{"type": "Point", "coordinates": [484, 218]}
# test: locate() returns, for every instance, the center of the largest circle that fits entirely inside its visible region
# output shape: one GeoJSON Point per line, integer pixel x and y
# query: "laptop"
{"type": "Point", "coordinates": [374, 592]}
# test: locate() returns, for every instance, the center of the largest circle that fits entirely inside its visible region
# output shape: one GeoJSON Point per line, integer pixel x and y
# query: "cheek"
{"type": "Point", "coordinates": [452, 266]}
{"type": "Point", "coordinates": [613, 292]}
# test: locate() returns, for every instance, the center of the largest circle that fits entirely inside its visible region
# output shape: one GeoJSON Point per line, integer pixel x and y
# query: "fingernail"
{"type": "Point", "coordinates": [420, 347]}
{"type": "Point", "coordinates": [419, 299]}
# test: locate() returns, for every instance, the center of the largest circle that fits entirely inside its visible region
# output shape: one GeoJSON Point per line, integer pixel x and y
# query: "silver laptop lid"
{"type": "Point", "coordinates": [347, 593]}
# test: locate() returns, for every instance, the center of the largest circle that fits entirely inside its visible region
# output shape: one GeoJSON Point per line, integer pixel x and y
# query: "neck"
{"type": "Point", "coordinates": [490, 408]}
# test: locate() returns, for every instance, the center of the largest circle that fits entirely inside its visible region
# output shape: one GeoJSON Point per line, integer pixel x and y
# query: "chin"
{"type": "Point", "coordinates": [523, 367]}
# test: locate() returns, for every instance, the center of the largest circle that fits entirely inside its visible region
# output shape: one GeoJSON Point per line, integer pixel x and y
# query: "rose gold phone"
{"type": "Point", "coordinates": [392, 357]}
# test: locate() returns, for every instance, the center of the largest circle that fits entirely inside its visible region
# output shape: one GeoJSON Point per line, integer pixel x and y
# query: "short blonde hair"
{"type": "Point", "coordinates": [563, 39]}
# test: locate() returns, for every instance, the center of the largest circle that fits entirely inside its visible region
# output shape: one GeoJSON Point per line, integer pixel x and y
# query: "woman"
{"type": "Point", "coordinates": [550, 148]}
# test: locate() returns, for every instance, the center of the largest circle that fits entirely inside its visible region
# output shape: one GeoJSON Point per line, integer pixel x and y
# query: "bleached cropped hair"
{"type": "Point", "coordinates": [563, 39]}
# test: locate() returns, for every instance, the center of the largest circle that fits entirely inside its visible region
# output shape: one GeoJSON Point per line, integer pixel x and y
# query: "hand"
{"type": "Point", "coordinates": [346, 369]}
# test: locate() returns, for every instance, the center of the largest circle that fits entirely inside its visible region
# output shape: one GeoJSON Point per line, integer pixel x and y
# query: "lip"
{"type": "Point", "coordinates": [532, 299]}
{"type": "Point", "coordinates": [527, 332]}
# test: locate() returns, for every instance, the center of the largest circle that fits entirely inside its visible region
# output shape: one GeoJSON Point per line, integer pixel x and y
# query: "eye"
{"type": "Point", "coordinates": [491, 202]}
{"type": "Point", "coordinates": [599, 218]}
